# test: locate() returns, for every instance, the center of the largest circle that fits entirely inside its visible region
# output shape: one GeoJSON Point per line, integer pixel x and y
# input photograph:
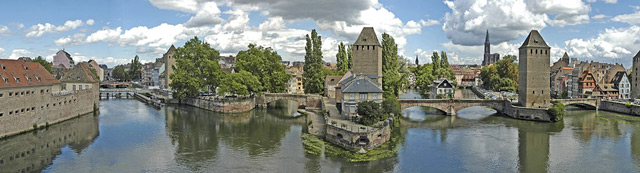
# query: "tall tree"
{"type": "Point", "coordinates": [511, 58]}
{"type": "Point", "coordinates": [313, 79]}
{"type": "Point", "coordinates": [196, 69]}
{"type": "Point", "coordinates": [445, 60]}
{"type": "Point", "coordinates": [349, 57]}
{"type": "Point", "coordinates": [44, 63]}
{"type": "Point", "coordinates": [135, 69]}
{"type": "Point", "coordinates": [435, 60]}
{"type": "Point", "coordinates": [341, 58]}
{"type": "Point", "coordinates": [392, 79]}
{"type": "Point", "coordinates": [265, 64]}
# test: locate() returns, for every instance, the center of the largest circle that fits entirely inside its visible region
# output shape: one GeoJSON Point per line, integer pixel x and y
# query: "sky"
{"type": "Point", "coordinates": [113, 32]}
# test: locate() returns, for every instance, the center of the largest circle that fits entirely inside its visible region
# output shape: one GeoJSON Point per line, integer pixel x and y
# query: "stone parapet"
{"type": "Point", "coordinates": [223, 105]}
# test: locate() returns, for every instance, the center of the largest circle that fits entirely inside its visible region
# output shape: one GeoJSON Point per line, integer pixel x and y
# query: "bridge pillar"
{"type": "Point", "coordinates": [451, 111]}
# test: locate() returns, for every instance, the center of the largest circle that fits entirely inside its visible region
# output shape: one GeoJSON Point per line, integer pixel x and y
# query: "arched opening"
{"type": "Point", "coordinates": [284, 108]}
{"type": "Point", "coordinates": [476, 112]}
{"type": "Point", "coordinates": [362, 141]}
{"type": "Point", "coordinates": [423, 113]}
{"type": "Point", "coordinates": [579, 106]}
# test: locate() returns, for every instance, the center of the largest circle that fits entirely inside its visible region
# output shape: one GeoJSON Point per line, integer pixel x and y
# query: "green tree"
{"type": "Point", "coordinates": [265, 64]}
{"type": "Point", "coordinates": [341, 58]}
{"type": "Point", "coordinates": [445, 60]}
{"type": "Point", "coordinates": [349, 57]}
{"type": "Point", "coordinates": [119, 73]}
{"type": "Point", "coordinates": [392, 78]}
{"type": "Point", "coordinates": [435, 60]}
{"type": "Point", "coordinates": [369, 112]}
{"type": "Point", "coordinates": [241, 83]}
{"type": "Point", "coordinates": [44, 63]}
{"type": "Point", "coordinates": [196, 69]}
{"type": "Point", "coordinates": [313, 81]}
{"type": "Point", "coordinates": [511, 58]}
{"type": "Point", "coordinates": [507, 69]}
{"type": "Point", "coordinates": [135, 69]}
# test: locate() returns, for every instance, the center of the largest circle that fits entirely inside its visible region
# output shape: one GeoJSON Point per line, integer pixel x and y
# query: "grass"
{"type": "Point", "coordinates": [312, 144]}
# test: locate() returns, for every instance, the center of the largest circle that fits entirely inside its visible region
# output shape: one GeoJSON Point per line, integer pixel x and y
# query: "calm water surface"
{"type": "Point", "coordinates": [129, 136]}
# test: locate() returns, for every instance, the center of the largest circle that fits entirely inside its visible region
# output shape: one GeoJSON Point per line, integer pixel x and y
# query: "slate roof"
{"type": "Point", "coordinates": [79, 73]}
{"type": "Point", "coordinates": [442, 83]}
{"type": "Point", "coordinates": [534, 40]}
{"type": "Point", "coordinates": [618, 77]}
{"type": "Point", "coordinates": [26, 72]}
{"type": "Point", "coordinates": [349, 76]}
{"type": "Point", "coordinates": [362, 85]}
{"type": "Point", "coordinates": [637, 55]}
{"type": "Point", "coordinates": [367, 37]}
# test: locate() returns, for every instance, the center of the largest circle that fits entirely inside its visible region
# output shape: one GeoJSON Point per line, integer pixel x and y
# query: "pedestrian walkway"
{"type": "Point", "coordinates": [331, 107]}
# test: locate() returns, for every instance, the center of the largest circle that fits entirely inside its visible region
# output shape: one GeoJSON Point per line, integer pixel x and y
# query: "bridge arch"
{"type": "Point", "coordinates": [451, 107]}
{"type": "Point", "coordinates": [308, 101]}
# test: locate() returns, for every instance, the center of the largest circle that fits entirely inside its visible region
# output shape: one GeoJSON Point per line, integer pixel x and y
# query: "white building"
{"type": "Point", "coordinates": [621, 82]}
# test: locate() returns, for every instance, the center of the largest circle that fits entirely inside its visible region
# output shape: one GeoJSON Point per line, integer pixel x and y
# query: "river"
{"type": "Point", "coordinates": [129, 136]}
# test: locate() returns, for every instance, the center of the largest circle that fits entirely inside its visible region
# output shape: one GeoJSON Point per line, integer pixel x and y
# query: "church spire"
{"type": "Point", "coordinates": [486, 40]}
{"type": "Point", "coordinates": [416, 59]}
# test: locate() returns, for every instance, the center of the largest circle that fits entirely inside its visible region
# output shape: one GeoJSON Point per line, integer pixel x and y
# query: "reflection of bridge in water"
{"type": "Point", "coordinates": [120, 92]}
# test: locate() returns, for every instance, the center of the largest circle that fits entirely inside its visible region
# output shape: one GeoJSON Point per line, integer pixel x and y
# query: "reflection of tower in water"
{"type": "Point", "coordinates": [635, 143]}
{"type": "Point", "coordinates": [533, 150]}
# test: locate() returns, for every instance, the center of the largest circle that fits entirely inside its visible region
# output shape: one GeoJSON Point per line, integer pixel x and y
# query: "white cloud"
{"type": "Point", "coordinates": [90, 22]}
{"type": "Point", "coordinates": [473, 54]}
{"type": "Point", "coordinates": [633, 18]}
{"type": "Point", "coordinates": [600, 16]}
{"type": "Point", "coordinates": [507, 20]}
{"type": "Point", "coordinates": [189, 6]}
{"type": "Point", "coordinates": [568, 12]}
{"type": "Point", "coordinates": [70, 40]}
{"type": "Point", "coordinates": [4, 30]}
{"type": "Point", "coordinates": [429, 22]}
{"type": "Point", "coordinates": [41, 29]}
{"type": "Point", "coordinates": [17, 53]}
{"type": "Point", "coordinates": [613, 43]}
{"type": "Point", "coordinates": [208, 14]}
{"type": "Point", "coordinates": [1, 52]}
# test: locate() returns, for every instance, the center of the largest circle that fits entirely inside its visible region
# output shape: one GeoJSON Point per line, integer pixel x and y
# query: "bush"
{"type": "Point", "coordinates": [370, 112]}
{"type": "Point", "coordinates": [628, 104]}
{"type": "Point", "coordinates": [556, 111]}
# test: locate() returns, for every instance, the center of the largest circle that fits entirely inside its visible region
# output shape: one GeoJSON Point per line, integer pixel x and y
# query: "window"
{"type": "Point", "coordinates": [374, 95]}
{"type": "Point", "coordinates": [74, 87]}
{"type": "Point", "coordinates": [1, 114]}
{"type": "Point", "coordinates": [1, 95]}
{"type": "Point", "coordinates": [10, 94]}
{"type": "Point", "coordinates": [542, 91]}
{"type": "Point", "coordinates": [10, 112]}
{"type": "Point", "coordinates": [534, 92]}
{"type": "Point", "coordinates": [531, 51]}
{"type": "Point", "coordinates": [363, 96]}
{"type": "Point", "coordinates": [86, 86]}
{"type": "Point", "coordinates": [33, 108]}
{"type": "Point", "coordinates": [79, 87]}
{"type": "Point", "coordinates": [22, 110]}
{"type": "Point", "coordinates": [22, 93]}
{"type": "Point", "coordinates": [352, 96]}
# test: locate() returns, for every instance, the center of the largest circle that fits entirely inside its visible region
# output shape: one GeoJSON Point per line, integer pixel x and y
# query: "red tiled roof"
{"type": "Point", "coordinates": [29, 73]}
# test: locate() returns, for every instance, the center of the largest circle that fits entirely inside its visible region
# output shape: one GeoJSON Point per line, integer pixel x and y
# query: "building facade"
{"type": "Point", "coordinates": [62, 59]}
{"type": "Point", "coordinates": [441, 89]}
{"type": "Point", "coordinates": [534, 65]}
{"type": "Point", "coordinates": [30, 96]}
{"type": "Point", "coordinates": [367, 54]}
{"type": "Point", "coordinates": [358, 89]}
{"type": "Point", "coordinates": [635, 88]}
{"type": "Point", "coordinates": [622, 84]}
{"type": "Point", "coordinates": [169, 61]}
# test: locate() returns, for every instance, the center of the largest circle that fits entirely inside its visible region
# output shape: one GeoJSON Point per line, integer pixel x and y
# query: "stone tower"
{"type": "Point", "coordinates": [534, 72]}
{"type": "Point", "coordinates": [367, 54]}
{"type": "Point", "coordinates": [635, 88]}
{"type": "Point", "coordinates": [170, 61]}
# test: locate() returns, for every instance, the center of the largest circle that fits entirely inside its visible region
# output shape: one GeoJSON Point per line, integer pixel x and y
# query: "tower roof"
{"type": "Point", "coordinates": [367, 37]}
{"type": "Point", "coordinates": [565, 56]}
{"type": "Point", "coordinates": [534, 40]}
{"type": "Point", "coordinates": [486, 40]}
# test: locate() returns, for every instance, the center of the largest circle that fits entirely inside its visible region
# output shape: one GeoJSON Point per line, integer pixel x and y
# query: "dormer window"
{"type": "Point", "coordinates": [26, 68]}
{"type": "Point", "coordinates": [17, 79]}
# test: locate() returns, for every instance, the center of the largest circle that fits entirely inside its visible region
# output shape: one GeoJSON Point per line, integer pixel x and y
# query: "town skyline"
{"type": "Point", "coordinates": [599, 31]}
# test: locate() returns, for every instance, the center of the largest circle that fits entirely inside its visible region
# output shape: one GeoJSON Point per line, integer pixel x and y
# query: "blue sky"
{"type": "Point", "coordinates": [113, 32]}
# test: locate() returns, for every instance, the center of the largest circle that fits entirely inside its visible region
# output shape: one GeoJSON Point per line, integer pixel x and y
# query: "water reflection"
{"type": "Point", "coordinates": [136, 138]}
{"type": "Point", "coordinates": [34, 151]}
{"type": "Point", "coordinates": [284, 108]}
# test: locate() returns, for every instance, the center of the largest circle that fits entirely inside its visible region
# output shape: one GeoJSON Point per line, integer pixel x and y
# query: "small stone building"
{"type": "Point", "coordinates": [359, 88]}
{"type": "Point", "coordinates": [353, 136]}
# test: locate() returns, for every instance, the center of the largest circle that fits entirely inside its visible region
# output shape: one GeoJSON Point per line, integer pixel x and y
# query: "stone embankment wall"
{"type": "Point", "coordinates": [44, 108]}
{"type": "Point", "coordinates": [620, 107]}
{"type": "Point", "coordinates": [531, 114]}
{"type": "Point", "coordinates": [352, 137]}
{"type": "Point", "coordinates": [222, 105]}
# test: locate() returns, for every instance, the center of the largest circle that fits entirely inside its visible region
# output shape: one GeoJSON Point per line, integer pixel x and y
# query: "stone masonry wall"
{"type": "Point", "coordinates": [42, 106]}
{"type": "Point", "coordinates": [227, 106]}
{"type": "Point", "coordinates": [620, 108]}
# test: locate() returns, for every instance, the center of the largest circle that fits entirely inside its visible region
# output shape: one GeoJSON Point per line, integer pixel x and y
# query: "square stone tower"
{"type": "Point", "coordinates": [367, 54]}
{"type": "Point", "coordinates": [534, 71]}
{"type": "Point", "coordinates": [170, 61]}
{"type": "Point", "coordinates": [635, 88]}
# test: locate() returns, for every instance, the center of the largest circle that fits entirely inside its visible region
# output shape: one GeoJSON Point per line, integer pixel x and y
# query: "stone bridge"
{"type": "Point", "coordinates": [452, 106]}
{"type": "Point", "coordinates": [589, 103]}
{"type": "Point", "coordinates": [119, 92]}
{"type": "Point", "coordinates": [308, 100]}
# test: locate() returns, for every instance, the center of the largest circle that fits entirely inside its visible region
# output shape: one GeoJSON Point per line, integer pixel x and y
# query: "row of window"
{"type": "Point", "coordinates": [16, 112]}
{"type": "Point", "coordinates": [21, 93]}
{"type": "Point", "coordinates": [33, 151]}
{"type": "Point", "coordinates": [363, 96]}
{"type": "Point", "coordinates": [368, 47]}
{"type": "Point", "coordinates": [536, 50]}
